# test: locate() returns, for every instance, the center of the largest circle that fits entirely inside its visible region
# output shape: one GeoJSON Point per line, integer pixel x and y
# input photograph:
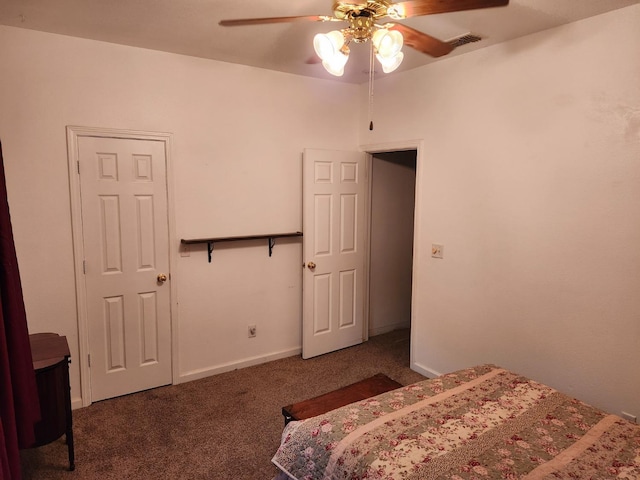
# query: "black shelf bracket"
{"type": "Point", "coordinates": [271, 240]}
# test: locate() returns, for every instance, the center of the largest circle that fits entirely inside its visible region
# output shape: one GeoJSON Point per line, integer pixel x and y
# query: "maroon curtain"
{"type": "Point", "coordinates": [19, 408]}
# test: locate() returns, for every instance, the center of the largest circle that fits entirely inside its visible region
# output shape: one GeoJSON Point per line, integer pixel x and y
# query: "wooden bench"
{"type": "Point", "coordinates": [355, 392]}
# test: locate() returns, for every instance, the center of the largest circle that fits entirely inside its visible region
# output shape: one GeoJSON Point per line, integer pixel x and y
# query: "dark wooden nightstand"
{"type": "Point", "coordinates": [51, 358]}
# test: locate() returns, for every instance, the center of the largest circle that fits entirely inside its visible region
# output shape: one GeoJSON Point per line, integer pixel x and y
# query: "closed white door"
{"type": "Point", "coordinates": [125, 232]}
{"type": "Point", "coordinates": [334, 199]}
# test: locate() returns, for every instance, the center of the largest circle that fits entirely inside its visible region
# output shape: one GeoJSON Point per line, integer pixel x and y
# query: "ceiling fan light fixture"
{"type": "Point", "coordinates": [389, 64]}
{"type": "Point", "coordinates": [335, 65]}
{"type": "Point", "coordinates": [328, 45]}
{"type": "Point", "coordinates": [387, 42]}
{"type": "Point", "coordinates": [332, 50]}
{"type": "Point", "coordinates": [386, 39]}
{"type": "Point", "coordinates": [335, 70]}
{"type": "Point", "coordinates": [396, 11]}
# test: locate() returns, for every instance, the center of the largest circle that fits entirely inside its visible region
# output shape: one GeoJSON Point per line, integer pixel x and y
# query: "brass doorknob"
{"type": "Point", "coordinates": [162, 278]}
{"type": "Point", "coordinates": [311, 265]}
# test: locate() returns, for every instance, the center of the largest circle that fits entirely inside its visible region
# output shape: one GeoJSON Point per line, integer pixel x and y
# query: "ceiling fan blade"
{"type": "Point", "coordinates": [422, 42]}
{"type": "Point", "coordinates": [260, 21]}
{"type": "Point", "coordinates": [415, 8]}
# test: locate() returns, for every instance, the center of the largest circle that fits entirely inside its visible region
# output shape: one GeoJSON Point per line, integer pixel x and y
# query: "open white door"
{"type": "Point", "coordinates": [334, 199]}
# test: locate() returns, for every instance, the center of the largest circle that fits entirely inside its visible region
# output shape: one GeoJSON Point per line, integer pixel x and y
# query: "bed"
{"type": "Point", "coordinates": [481, 422]}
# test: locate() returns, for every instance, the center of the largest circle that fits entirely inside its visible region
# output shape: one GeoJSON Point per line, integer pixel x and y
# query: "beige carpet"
{"type": "Point", "coordinates": [223, 427]}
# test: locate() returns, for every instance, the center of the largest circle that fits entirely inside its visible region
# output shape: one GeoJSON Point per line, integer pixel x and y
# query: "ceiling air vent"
{"type": "Point", "coordinates": [464, 39]}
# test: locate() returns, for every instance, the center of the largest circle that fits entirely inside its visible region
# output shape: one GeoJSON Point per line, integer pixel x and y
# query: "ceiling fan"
{"type": "Point", "coordinates": [387, 39]}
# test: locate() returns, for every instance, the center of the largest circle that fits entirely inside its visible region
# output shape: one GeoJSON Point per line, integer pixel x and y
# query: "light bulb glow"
{"type": "Point", "coordinates": [390, 64]}
{"type": "Point", "coordinates": [332, 50]}
{"type": "Point", "coordinates": [387, 42]}
{"type": "Point", "coordinates": [396, 11]}
{"type": "Point", "coordinates": [335, 65]}
{"type": "Point", "coordinates": [334, 70]}
{"type": "Point", "coordinates": [327, 45]}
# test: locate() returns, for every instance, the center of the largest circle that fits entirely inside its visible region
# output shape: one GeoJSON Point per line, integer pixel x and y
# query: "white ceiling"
{"type": "Point", "coordinates": [190, 27]}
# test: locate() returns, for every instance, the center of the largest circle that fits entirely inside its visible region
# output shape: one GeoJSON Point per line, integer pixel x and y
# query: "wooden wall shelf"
{"type": "Point", "coordinates": [271, 237]}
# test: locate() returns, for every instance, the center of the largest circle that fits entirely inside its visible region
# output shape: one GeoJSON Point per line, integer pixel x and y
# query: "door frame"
{"type": "Point", "coordinates": [74, 133]}
{"type": "Point", "coordinates": [388, 147]}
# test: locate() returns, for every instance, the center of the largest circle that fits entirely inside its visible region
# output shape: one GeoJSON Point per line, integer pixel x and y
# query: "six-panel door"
{"type": "Point", "coordinates": [334, 194]}
{"type": "Point", "coordinates": [125, 233]}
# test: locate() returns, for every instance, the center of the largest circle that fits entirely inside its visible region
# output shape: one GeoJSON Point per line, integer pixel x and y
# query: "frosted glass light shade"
{"type": "Point", "coordinates": [397, 11]}
{"type": "Point", "coordinates": [335, 65]}
{"type": "Point", "coordinates": [390, 64]}
{"type": "Point", "coordinates": [334, 70]}
{"type": "Point", "coordinates": [331, 49]}
{"type": "Point", "coordinates": [327, 45]}
{"type": "Point", "coordinates": [387, 42]}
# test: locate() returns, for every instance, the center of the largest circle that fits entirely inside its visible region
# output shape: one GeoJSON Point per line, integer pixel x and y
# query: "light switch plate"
{"type": "Point", "coordinates": [437, 251]}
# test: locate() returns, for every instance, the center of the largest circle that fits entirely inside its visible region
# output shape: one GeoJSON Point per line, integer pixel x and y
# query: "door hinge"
{"type": "Point", "coordinates": [78, 164]}
{"type": "Point", "coordinates": [89, 359]}
{"type": "Point", "coordinates": [84, 267]}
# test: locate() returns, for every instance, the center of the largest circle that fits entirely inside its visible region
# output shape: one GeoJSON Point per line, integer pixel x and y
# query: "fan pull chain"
{"type": "Point", "coordinates": [371, 77]}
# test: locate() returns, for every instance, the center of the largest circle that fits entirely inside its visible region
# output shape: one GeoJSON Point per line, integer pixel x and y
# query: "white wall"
{"type": "Point", "coordinates": [393, 178]}
{"type": "Point", "coordinates": [238, 133]}
{"type": "Point", "coordinates": [530, 177]}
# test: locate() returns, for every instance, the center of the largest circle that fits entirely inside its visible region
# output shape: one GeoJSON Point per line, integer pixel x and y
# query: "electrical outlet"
{"type": "Point", "coordinates": [630, 417]}
{"type": "Point", "coordinates": [252, 330]}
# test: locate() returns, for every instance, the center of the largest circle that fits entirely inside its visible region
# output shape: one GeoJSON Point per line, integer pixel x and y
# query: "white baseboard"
{"type": "Point", "coordinates": [76, 403]}
{"type": "Point", "coordinates": [426, 371]}
{"type": "Point", "coordinates": [228, 367]}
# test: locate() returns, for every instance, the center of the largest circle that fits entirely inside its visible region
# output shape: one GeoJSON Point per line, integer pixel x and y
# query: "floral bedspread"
{"type": "Point", "coordinates": [482, 422]}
